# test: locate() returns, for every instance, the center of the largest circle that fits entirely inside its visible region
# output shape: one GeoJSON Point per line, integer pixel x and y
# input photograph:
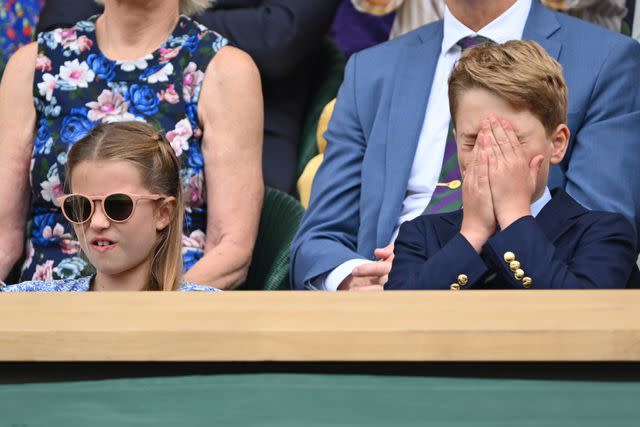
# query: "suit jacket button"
{"type": "Point", "coordinates": [463, 279]}
{"type": "Point", "coordinates": [527, 282]}
{"type": "Point", "coordinates": [514, 265]}
{"type": "Point", "coordinates": [509, 256]}
{"type": "Point", "coordinates": [454, 287]}
{"type": "Point", "coordinates": [519, 274]}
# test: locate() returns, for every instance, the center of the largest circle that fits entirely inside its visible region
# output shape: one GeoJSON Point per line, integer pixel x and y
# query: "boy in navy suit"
{"type": "Point", "coordinates": [509, 107]}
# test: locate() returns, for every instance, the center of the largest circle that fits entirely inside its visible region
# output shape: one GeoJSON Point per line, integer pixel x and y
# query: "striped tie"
{"type": "Point", "coordinates": [447, 196]}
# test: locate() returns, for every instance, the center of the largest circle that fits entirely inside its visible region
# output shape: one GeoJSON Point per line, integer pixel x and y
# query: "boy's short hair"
{"type": "Point", "coordinates": [520, 72]}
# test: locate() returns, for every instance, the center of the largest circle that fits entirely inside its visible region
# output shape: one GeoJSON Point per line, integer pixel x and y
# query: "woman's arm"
{"type": "Point", "coordinates": [231, 113]}
{"type": "Point", "coordinates": [17, 124]}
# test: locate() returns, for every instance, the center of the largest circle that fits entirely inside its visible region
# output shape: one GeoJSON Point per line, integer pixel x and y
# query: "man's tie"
{"type": "Point", "coordinates": [447, 196]}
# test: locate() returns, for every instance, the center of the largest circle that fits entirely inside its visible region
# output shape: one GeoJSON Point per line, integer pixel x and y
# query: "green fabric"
{"type": "Point", "coordinates": [329, 81]}
{"type": "Point", "coordinates": [281, 215]}
{"type": "Point", "coordinates": [282, 400]}
{"type": "Point", "coordinates": [3, 63]}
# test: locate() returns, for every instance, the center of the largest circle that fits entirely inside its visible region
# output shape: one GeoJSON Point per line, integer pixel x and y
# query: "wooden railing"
{"type": "Point", "coordinates": [315, 326]}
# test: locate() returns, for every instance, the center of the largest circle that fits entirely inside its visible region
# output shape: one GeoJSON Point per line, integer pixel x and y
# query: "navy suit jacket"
{"type": "Point", "coordinates": [565, 247]}
{"type": "Point", "coordinates": [372, 137]}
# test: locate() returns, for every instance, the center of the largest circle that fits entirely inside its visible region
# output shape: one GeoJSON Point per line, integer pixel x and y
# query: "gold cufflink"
{"type": "Point", "coordinates": [519, 274]}
{"type": "Point", "coordinates": [454, 287]}
{"type": "Point", "coordinates": [509, 256]}
{"type": "Point", "coordinates": [452, 185]}
{"type": "Point", "coordinates": [527, 282]}
{"type": "Point", "coordinates": [463, 279]}
{"type": "Point", "coordinates": [514, 265]}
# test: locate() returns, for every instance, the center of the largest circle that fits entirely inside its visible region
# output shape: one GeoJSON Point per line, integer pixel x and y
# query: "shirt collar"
{"type": "Point", "coordinates": [508, 26]}
{"type": "Point", "coordinates": [537, 206]}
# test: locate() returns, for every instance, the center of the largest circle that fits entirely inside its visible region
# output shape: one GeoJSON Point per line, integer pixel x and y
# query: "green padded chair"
{"type": "Point", "coordinates": [329, 78]}
{"type": "Point", "coordinates": [281, 215]}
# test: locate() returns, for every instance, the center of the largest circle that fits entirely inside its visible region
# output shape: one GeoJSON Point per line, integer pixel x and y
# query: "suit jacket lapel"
{"type": "Point", "coordinates": [541, 25]}
{"type": "Point", "coordinates": [408, 107]}
{"type": "Point", "coordinates": [558, 215]}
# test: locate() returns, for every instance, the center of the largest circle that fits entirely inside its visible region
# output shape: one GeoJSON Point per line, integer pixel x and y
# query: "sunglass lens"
{"type": "Point", "coordinates": [118, 207]}
{"type": "Point", "coordinates": [77, 208]}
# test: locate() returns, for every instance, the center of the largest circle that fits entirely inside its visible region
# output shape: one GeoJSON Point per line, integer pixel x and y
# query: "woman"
{"type": "Point", "coordinates": [125, 206]}
{"type": "Point", "coordinates": [204, 95]}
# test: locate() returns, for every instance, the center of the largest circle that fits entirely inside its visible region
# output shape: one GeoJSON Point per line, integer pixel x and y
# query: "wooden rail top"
{"type": "Point", "coordinates": [322, 326]}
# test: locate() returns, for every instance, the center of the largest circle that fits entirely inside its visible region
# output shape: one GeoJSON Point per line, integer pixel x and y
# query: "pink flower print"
{"type": "Point", "coordinates": [170, 95]}
{"type": "Point", "coordinates": [66, 36]}
{"type": "Point", "coordinates": [52, 189]}
{"type": "Point", "coordinates": [195, 240]}
{"type": "Point", "coordinates": [43, 63]}
{"type": "Point", "coordinates": [197, 133]}
{"type": "Point", "coordinates": [43, 272]}
{"type": "Point", "coordinates": [191, 80]}
{"type": "Point", "coordinates": [56, 232]}
{"type": "Point", "coordinates": [70, 247]}
{"type": "Point", "coordinates": [194, 191]}
{"type": "Point", "coordinates": [167, 54]}
{"type": "Point", "coordinates": [179, 137]}
{"type": "Point", "coordinates": [47, 86]}
{"type": "Point", "coordinates": [84, 43]}
{"type": "Point", "coordinates": [109, 107]}
{"type": "Point", "coordinates": [162, 75]}
{"type": "Point", "coordinates": [76, 74]}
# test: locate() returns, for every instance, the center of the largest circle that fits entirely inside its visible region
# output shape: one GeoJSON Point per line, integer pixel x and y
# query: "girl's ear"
{"type": "Point", "coordinates": [559, 143]}
{"type": "Point", "coordinates": [165, 213]}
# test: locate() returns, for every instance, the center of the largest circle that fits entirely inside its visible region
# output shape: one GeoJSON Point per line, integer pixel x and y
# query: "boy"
{"type": "Point", "coordinates": [509, 108]}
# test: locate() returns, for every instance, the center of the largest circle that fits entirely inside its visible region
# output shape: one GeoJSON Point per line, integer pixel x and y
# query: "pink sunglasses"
{"type": "Point", "coordinates": [118, 207]}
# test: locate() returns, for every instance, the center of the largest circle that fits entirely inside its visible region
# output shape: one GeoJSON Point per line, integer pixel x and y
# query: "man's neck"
{"type": "Point", "coordinates": [131, 29]}
{"type": "Point", "coordinates": [477, 14]}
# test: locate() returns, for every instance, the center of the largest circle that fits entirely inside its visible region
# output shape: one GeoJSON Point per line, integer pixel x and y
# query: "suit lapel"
{"type": "Point", "coordinates": [559, 215]}
{"type": "Point", "coordinates": [408, 107]}
{"type": "Point", "coordinates": [541, 25]}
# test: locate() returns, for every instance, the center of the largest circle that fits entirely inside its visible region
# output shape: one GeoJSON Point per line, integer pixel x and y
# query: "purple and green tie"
{"type": "Point", "coordinates": [447, 196]}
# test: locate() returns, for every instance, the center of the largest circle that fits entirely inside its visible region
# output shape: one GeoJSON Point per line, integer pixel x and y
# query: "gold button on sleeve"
{"type": "Point", "coordinates": [514, 265]}
{"type": "Point", "coordinates": [509, 256]}
{"type": "Point", "coordinates": [527, 282]}
{"type": "Point", "coordinates": [463, 279]}
{"type": "Point", "coordinates": [454, 287]}
{"type": "Point", "coordinates": [519, 274]}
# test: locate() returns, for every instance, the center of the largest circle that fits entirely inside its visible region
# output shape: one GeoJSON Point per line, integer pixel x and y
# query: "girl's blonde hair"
{"type": "Point", "coordinates": [187, 7]}
{"type": "Point", "coordinates": [148, 150]}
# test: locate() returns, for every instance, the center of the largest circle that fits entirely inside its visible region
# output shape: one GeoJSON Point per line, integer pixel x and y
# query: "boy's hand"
{"type": "Point", "coordinates": [512, 174]}
{"type": "Point", "coordinates": [371, 276]}
{"type": "Point", "coordinates": [478, 218]}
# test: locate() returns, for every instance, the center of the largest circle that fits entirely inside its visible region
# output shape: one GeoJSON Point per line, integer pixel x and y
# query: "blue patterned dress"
{"type": "Point", "coordinates": [75, 88]}
{"type": "Point", "coordinates": [83, 284]}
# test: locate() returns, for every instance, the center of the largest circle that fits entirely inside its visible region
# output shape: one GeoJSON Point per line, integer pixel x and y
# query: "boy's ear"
{"type": "Point", "coordinates": [559, 143]}
{"type": "Point", "coordinates": [166, 212]}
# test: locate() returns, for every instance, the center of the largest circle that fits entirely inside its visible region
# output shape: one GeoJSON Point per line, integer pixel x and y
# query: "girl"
{"type": "Point", "coordinates": [125, 206]}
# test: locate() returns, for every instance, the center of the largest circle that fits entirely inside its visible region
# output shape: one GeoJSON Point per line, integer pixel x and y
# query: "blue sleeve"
{"type": "Point", "coordinates": [603, 259]}
{"type": "Point", "coordinates": [415, 268]}
{"type": "Point", "coordinates": [602, 172]}
{"type": "Point", "coordinates": [328, 233]}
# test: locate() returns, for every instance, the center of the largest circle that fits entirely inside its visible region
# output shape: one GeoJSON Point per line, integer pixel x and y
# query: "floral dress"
{"type": "Point", "coordinates": [76, 87]}
{"type": "Point", "coordinates": [83, 284]}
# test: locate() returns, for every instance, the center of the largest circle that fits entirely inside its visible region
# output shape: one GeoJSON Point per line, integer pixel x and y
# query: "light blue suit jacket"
{"type": "Point", "coordinates": [372, 137]}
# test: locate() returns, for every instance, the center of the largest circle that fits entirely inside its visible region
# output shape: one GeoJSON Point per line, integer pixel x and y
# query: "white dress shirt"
{"type": "Point", "coordinates": [427, 163]}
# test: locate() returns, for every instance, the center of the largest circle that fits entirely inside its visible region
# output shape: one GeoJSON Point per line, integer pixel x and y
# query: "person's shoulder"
{"type": "Point", "coordinates": [428, 33]}
{"type": "Point", "coordinates": [192, 287]}
{"type": "Point", "coordinates": [24, 57]}
{"type": "Point", "coordinates": [63, 285]}
{"type": "Point", "coordinates": [597, 38]}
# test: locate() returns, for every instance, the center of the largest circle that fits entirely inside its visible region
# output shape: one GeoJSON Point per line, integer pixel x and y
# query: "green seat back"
{"type": "Point", "coordinates": [281, 215]}
{"type": "Point", "coordinates": [329, 80]}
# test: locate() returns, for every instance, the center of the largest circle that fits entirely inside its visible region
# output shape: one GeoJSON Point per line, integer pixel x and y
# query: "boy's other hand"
{"type": "Point", "coordinates": [478, 217]}
{"type": "Point", "coordinates": [512, 175]}
{"type": "Point", "coordinates": [371, 276]}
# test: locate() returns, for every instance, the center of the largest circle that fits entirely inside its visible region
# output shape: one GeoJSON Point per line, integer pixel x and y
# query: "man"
{"type": "Point", "coordinates": [283, 38]}
{"type": "Point", "coordinates": [390, 129]}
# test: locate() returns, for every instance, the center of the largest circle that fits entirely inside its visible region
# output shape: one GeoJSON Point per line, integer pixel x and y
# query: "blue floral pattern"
{"type": "Point", "coordinates": [76, 87]}
{"type": "Point", "coordinates": [83, 284]}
